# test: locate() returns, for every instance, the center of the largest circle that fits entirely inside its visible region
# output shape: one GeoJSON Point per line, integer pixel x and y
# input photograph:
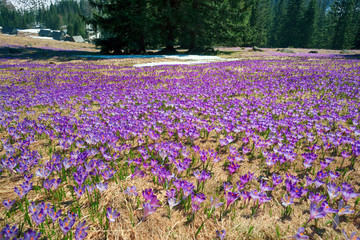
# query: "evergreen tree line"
{"type": "Point", "coordinates": [134, 25]}
{"type": "Point", "coordinates": [65, 12]}
{"type": "Point", "coordinates": [9, 17]}
{"type": "Point", "coordinates": [137, 25]}
{"type": "Point", "coordinates": [315, 24]}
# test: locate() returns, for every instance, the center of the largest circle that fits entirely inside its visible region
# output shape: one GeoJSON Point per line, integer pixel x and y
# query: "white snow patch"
{"type": "Point", "coordinates": [184, 63]}
{"type": "Point", "coordinates": [193, 57]}
{"type": "Point", "coordinates": [168, 63]}
{"type": "Point", "coordinates": [35, 30]}
{"type": "Point", "coordinates": [188, 59]}
{"type": "Point", "coordinates": [45, 38]}
{"type": "Point", "coordinates": [179, 57]}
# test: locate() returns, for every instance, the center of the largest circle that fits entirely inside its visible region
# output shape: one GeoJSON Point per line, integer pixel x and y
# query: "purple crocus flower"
{"type": "Point", "coordinates": [187, 188]}
{"type": "Point", "coordinates": [102, 186]}
{"type": "Point", "coordinates": [223, 142]}
{"type": "Point", "coordinates": [172, 202]}
{"type": "Point", "coordinates": [277, 179]}
{"type": "Point", "coordinates": [90, 188]}
{"type": "Point", "coordinates": [309, 181]}
{"type": "Point", "coordinates": [171, 193]}
{"type": "Point", "coordinates": [230, 198]}
{"type": "Point", "coordinates": [154, 202]}
{"type": "Point", "coordinates": [197, 200]}
{"type": "Point", "coordinates": [297, 192]}
{"type": "Point", "coordinates": [322, 174]}
{"type": "Point", "coordinates": [148, 210]}
{"type": "Point", "coordinates": [233, 151]}
{"type": "Point", "coordinates": [72, 216]}
{"type": "Point", "coordinates": [20, 192]}
{"type": "Point", "coordinates": [31, 235]}
{"type": "Point", "coordinates": [148, 194]}
{"type": "Point", "coordinates": [341, 211]}
{"type": "Point", "coordinates": [316, 212]}
{"type": "Point", "coordinates": [263, 198]}
{"type": "Point", "coordinates": [286, 201]}
{"type": "Point", "coordinates": [28, 177]}
{"type": "Point", "coordinates": [348, 194]}
{"type": "Point", "coordinates": [54, 215]}
{"type": "Point", "coordinates": [299, 235]}
{"type": "Point", "coordinates": [80, 233]}
{"type": "Point", "coordinates": [324, 164]}
{"type": "Point", "coordinates": [131, 191]}
{"type": "Point", "coordinates": [202, 176]}
{"type": "Point", "coordinates": [79, 191]}
{"type": "Point", "coordinates": [233, 167]}
{"type": "Point", "coordinates": [352, 236]}
{"type": "Point", "coordinates": [44, 206]}
{"type": "Point", "coordinates": [346, 186]}
{"type": "Point", "coordinates": [214, 203]}
{"type": "Point", "coordinates": [264, 186]}
{"type": "Point", "coordinates": [316, 197]}
{"type": "Point", "coordinates": [245, 149]}
{"type": "Point", "coordinates": [32, 208]}
{"type": "Point", "coordinates": [240, 186]}
{"type": "Point", "coordinates": [227, 187]}
{"type": "Point", "coordinates": [47, 184]}
{"type": "Point", "coordinates": [9, 232]}
{"type": "Point", "coordinates": [137, 172]}
{"type": "Point", "coordinates": [80, 177]}
{"type": "Point", "coordinates": [66, 224]}
{"type": "Point", "coordinates": [221, 234]}
{"type": "Point", "coordinates": [8, 204]}
{"type": "Point", "coordinates": [112, 214]}
{"type": "Point", "coordinates": [43, 172]}
{"type": "Point", "coordinates": [327, 208]}
{"type": "Point", "coordinates": [293, 179]}
{"type": "Point", "coordinates": [344, 210]}
{"type": "Point", "coordinates": [332, 190]}
{"type": "Point", "coordinates": [27, 186]}
{"type": "Point", "coordinates": [38, 216]}
{"type": "Point", "coordinates": [246, 178]}
{"type": "Point", "coordinates": [334, 175]}
{"type": "Point", "coordinates": [56, 183]}
{"type": "Point", "coordinates": [254, 194]}
{"type": "Point", "coordinates": [345, 154]}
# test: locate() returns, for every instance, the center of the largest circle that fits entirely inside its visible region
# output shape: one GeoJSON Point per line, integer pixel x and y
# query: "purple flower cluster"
{"type": "Point", "coordinates": [295, 121]}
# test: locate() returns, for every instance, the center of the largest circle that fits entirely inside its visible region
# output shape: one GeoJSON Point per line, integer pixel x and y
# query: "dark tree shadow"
{"type": "Point", "coordinates": [351, 56]}
{"type": "Point", "coordinates": [63, 55]}
{"type": "Point", "coordinates": [32, 54]}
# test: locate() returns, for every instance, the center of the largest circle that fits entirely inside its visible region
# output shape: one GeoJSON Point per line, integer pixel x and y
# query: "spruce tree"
{"type": "Point", "coordinates": [124, 24]}
{"type": "Point", "coordinates": [309, 24]}
{"type": "Point", "coordinates": [260, 22]}
{"type": "Point", "coordinates": [342, 29]}
{"type": "Point", "coordinates": [292, 28]}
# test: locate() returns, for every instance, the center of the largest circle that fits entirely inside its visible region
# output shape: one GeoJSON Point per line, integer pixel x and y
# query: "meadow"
{"type": "Point", "coordinates": [266, 147]}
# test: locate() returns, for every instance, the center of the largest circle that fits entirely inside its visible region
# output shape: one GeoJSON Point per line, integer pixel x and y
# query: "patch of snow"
{"type": "Point", "coordinates": [188, 59]}
{"type": "Point", "coordinates": [45, 38]}
{"type": "Point", "coordinates": [192, 57]}
{"type": "Point", "coordinates": [35, 30]}
{"type": "Point", "coordinates": [185, 62]}
{"type": "Point", "coordinates": [179, 57]}
{"type": "Point", "coordinates": [169, 63]}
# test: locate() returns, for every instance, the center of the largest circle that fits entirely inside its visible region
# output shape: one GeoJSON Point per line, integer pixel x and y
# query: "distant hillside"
{"type": "Point", "coordinates": [54, 14]}
{"type": "Point", "coordinates": [30, 4]}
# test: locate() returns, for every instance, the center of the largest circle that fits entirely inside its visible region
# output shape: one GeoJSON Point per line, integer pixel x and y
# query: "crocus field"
{"type": "Point", "coordinates": [262, 148]}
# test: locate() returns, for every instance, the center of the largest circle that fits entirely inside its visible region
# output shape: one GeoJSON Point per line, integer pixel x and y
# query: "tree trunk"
{"type": "Point", "coordinates": [170, 27]}
{"type": "Point", "coordinates": [193, 34]}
